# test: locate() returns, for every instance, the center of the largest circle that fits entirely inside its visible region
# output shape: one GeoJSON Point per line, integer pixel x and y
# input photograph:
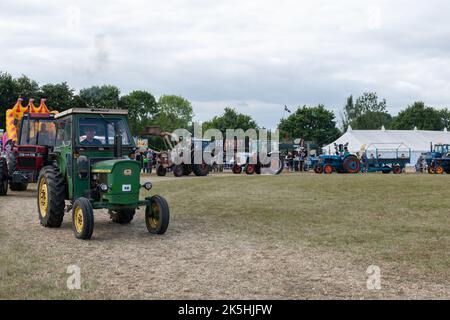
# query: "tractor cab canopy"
{"type": "Point", "coordinates": [37, 130]}
{"type": "Point", "coordinates": [96, 127]}
{"type": "Point", "coordinates": [442, 148]}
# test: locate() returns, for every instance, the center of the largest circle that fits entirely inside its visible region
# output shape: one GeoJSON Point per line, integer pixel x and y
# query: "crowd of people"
{"type": "Point", "coordinates": [147, 159]}
{"type": "Point", "coordinates": [296, 159]}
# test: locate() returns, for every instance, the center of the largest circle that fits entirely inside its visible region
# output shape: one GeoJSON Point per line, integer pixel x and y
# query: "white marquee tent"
{"type": "Point", "coordinates": [417, 141]}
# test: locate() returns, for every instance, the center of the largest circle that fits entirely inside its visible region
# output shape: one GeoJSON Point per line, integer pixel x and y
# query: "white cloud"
{"type": "Point", "coordinates": [257, 55]}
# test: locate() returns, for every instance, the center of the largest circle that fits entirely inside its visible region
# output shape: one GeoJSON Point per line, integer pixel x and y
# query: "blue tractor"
{"type": "Point", "coordinates": [435, 161]}
{"type": "Point", "coordinates": [341, 162]}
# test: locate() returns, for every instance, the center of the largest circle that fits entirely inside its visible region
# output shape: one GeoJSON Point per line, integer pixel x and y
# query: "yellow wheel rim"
{"type": "Point", "coordinates": [154, 218]}
{"type": "Point", "coordinates": [78, 219]}
{"type": "Point", "coordinates": [43, 197]}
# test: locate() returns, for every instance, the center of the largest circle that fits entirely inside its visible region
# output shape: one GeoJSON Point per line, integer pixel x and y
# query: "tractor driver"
{"type": "Point", "coordinates": [44, 137]}
{"type": "Point", "coordinates": [90, 137]}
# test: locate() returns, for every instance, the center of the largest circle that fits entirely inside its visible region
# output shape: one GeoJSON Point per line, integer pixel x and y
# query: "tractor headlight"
{"type": "Point", "coordinates": [103, 187]}
{"type": "Point", "coordinates": [148, 185]}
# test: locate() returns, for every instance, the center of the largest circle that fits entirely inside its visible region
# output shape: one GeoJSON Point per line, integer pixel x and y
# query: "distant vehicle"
{"type": "Point", "coordinates": [341, 162]}
{"type": "Point", "coordinates": [429, 161]}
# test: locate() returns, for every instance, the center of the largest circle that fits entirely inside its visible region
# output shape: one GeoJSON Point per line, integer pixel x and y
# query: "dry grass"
{"type": "Point", "coordinates": [291, 236]}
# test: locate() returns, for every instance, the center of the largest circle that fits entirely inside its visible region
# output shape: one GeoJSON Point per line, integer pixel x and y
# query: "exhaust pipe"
{"type": "Point", "coordinates": [117, 141]}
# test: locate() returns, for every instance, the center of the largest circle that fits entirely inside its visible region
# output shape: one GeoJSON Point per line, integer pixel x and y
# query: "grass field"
{"type": "Point", "coordinates": [291, 236]}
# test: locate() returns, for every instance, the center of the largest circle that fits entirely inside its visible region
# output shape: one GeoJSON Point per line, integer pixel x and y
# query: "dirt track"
{"type": "Point", "coordinates": [193, 260]}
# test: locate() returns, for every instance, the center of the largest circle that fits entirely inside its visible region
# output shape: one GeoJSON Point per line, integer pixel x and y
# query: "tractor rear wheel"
{"type": "Point", "coordinates": [83, 219]}
{"type": "Point", "coordinates": [160, 170]}
{"type": "Point", "coordinates": [3, 177]}
{"type": "Point", "coordinates": [178, 170]}
{"type": "Point", "coordinates": [122, 216]}
{"type": "Point", "coordinates": [157, 215]}
{"type": "Point", "coordinates": [250, 169]}
{"type": "Point", "coordinates": [328, 169]}
{"type": "Point", "coordinates": [200, 170]}
{"type": "Point", "coordinates": [18, 186]}
{"type": "Point", "coordinates": [51, 197]}
{"type": "Point", "coordinates": [351, 164]}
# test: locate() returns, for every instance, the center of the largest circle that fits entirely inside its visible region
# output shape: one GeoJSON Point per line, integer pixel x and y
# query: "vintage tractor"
{"type": "Point", "coordinates": [431, 161]}
{"type": "Point", "coordinates": [342, 162]}
{"type": "Point", "coordinates": [251, 162]}
{"type": "Point", "coordinates": [91, 169]}
{"type": "Point", "coordinates": [164, 158]}
{"type": "Point", "coordinates": [25, 154]}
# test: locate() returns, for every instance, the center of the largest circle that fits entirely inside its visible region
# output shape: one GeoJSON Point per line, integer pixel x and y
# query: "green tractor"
{"type": "Point", "coordinates": [92, 169]}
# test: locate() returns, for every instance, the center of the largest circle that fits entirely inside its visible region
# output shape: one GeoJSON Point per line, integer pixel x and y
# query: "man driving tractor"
{"type": "Point", "coordinates": [90, 137]}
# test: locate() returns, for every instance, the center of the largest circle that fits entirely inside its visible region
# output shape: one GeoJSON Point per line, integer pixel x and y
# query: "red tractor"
{"type": "Point", "coordinates": [21, 163]}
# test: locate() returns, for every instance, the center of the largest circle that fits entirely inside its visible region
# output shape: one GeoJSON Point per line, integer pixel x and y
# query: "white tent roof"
{"type": "Point", "coordinates": [416, 140]}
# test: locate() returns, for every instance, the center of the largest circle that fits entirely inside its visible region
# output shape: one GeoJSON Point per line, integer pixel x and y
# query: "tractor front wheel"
{"type": "Point", "coordinates": [160, 170]}
{"type": "Point", "coordinates": [50, 199]}
{"type": "Point", "coordinates": [83, 219]}
{"type": "Point", "coordinates": [328, 169]}
{"type": "Point", "coordinates": [439, 170]}
{"type": "Point", "coordinates": [122, 216]}
{"type": "Point", "coordinates": [157, 215]}
{"type": "Point", "coordinates": [430, 170]}
{"type": "Point", "coordinates": [318, 169]}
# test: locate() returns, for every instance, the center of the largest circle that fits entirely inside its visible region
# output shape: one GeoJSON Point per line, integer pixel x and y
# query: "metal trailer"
{"type": "Point", "coordinates": [386, 160]}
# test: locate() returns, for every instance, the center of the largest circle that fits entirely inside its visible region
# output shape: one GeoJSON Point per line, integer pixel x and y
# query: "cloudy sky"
{"type": "Point", "coordinates": [254, 55]}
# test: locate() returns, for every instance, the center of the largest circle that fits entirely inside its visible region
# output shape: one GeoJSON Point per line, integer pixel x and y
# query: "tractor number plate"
{"type": "Point", "coordinates": [126, 187]}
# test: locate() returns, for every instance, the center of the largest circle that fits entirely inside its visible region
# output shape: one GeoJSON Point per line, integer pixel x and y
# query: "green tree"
{"type": "Point", "coordinates": [106, 96]}
{"type": "Point", "coordinates": [312, 124]}
{"type": "Point", "coordinates": [230, 119]}
{"type": "Point", "coordinates": [174, 112]}
{"type": "Point", "coordinates": [77, 102]}
{"type": "Point", "coordinates": [368, 102]}
{"type": "Point", "coordinates": [7, 95]}
{"type": "Point", "coordinates": [420, 116]}
{"type": "Point", "coordinates": [366, 113]}
{"type": "Point", "coordinates": [445, 117]}
{"type": "Point", "coordinates": [58, 96]}
{"type": "Point", "coordinates": [26, 88]}
{"type": "Point", "coordinates": [142, 108]}
{"type": "Point", "coordinates": [372, 121]}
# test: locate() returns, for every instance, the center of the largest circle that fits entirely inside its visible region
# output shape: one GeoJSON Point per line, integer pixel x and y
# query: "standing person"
{"type": "Point", "coordinates": [302, 157]}
{"type": "Point", "coordinates": [145, 163]}
{"type": "Point", "coordinates": [139, 158]}
{"type": "Point", "coordinates": [290, 161]}
{"type": "Point", "coordinates": [150, 156]}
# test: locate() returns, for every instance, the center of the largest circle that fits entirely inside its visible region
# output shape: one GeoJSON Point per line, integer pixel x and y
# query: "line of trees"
{"type": "Point", "coordinates": [312, 123]}
{"type": "Point", "coordinates": [169, 111]}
